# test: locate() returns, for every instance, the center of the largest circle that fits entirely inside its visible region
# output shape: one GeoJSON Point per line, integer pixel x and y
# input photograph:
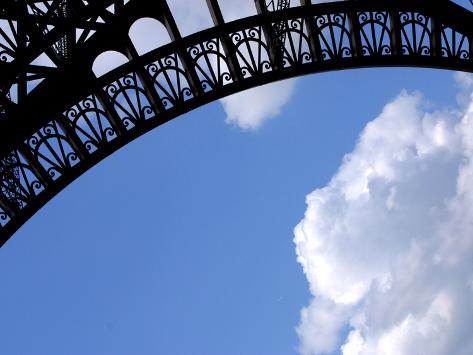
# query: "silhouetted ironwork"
{"type": "Point", "coordinates": [58, 119]}
{"type": "Point", "coordinates": [65, 44]}
{"type": "Point", "coordinates": [280, 28]}
{"type": "Point", "coordinates": [10, 175]}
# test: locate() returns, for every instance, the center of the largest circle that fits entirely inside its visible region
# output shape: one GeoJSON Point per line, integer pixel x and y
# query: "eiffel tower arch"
{"type": "Point", "coordinates": [59, 118]}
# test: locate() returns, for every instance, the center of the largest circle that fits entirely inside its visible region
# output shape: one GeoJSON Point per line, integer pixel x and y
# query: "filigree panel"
{"type": "Point", "coordinates": [51, 148]}
{"type": "Point", "coordinates": [91, 124]}
{"type": "Point", "coordinates": [375, 33]}
{"type": "Point", "coordinates": [10, 174]}
{"type": "Point", "coordinates": [416, 30]}
{"type": "Point", "coordinates": [211, 64]}
{"type": "Point", "coordinates": [170, 80]}
{"type": "Point", "coordinates": [4, 218]}
{"type": "Point", "coordinates": [252, 51]}
{"type": "Point", "coordinates": [130, 101]}
{"type": "Point", "coordinates": [296, 49]}
{"type": "Point", "coordinates": [18, 183]}
{"type": "Point", "coordinates": [334, 36]}
{"type": "Point", "coordinates": [8, 40]}
{"type": "Point", "coordinates": [455, 44]}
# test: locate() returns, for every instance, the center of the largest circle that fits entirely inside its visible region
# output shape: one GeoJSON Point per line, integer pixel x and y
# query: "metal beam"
{"type": "Point", "coordinates": [228, 47]}
{"type": "Point", "coordinates": [184, 56]}
{"type": "Point", "coordinates": [314, 44]}
{"type": "Point", "coordinates": [275, 57]}
{"type": "Point", "coordinates": [37, 169]}
{"type": "Point", "coordinates": [148, 85]}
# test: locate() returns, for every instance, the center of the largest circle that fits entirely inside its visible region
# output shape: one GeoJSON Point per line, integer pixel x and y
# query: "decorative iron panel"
{"type": "Point", "coordinates": [129, 98]}
{"type": "Point", "coordinates": [90, 122]}
{"type": "Point", "coordinates": [51, 148]}
{"type": "Point", "coordinates": [375, 30]}
{"type": "Point", "coordinates": [19, 184]}
{"type": "Point", "coordinates": [296, 48]}
{"type": "Point", "coordinates": [252, 51]}
{"type": "Point", "coordinates": [416, 33]}
{"type": "Point", "coordinates": [170, 80]}
{"type": "Point", "coordinates": [455, 44]}
{"type": "Point", "coordinates": [211, 64]}
{"type": "Point", "coordinates": [334, 35]}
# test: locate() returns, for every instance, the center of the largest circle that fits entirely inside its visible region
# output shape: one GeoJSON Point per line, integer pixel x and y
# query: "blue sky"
{"type": "Point", "coordinates": [181, 243]}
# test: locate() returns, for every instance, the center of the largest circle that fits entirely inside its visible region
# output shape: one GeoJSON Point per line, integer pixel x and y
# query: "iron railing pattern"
{"type": "Point", "coordinates": [73, 120]}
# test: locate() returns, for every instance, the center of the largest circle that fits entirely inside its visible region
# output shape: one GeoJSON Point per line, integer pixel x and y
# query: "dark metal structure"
{"type": "Point", "coordinates": [58, 119]}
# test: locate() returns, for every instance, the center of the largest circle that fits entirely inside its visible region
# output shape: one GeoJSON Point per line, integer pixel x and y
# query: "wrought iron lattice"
{"type": "Point", "coordinates": [64, 45]}
{"type": "Point", "coordinates": [170, 80]}
{"type": "Point", "coordinates": [11, 177]}
{"type": "Point", "coordinates": [334, 36]}
{"type": "Point", "coordinates": [375, 33]}
{"type": "Point", "coordinates": [280, 28]}
{"type": "Point", "coordinates": [58, 119]}
{"type": "Point", "coordinates": [252, 51]}
{"type": "Point", "coordinates": [90, 124]}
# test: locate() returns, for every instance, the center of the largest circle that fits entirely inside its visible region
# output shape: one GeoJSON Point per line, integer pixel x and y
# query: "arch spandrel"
{"type": "Point", "coordinates": [73, 119]}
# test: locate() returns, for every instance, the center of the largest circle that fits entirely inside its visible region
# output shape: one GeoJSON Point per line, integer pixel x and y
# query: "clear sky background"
{"type": "Point", "coordinates": [182, 242]}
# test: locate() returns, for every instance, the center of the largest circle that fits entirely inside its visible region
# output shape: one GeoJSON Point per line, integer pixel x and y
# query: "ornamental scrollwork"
{"type": "Point", "coordinates": [51, 148]}
{"type": "Point", "coordinates": [18, 183]}
{"type": "Point", "coordinates": [252, 51]}
{"type": "Point", "coordinates": [129, 98]}
{"type": "Point", "coordinates": [90, 122]}
{"type": "Point", "coordinates": [211, 64]}
{"type": "Point", "coordinates": [334, 35]}
{"type": "Point", "coordinates": [8, 42]}
{"type": "Point", "coordinates": [296, 48]}
{"type": "Point", "coordinates": [416, 33]}
{"type": "Point", "coordinates": [4, 218]}
{"type": "Point", "coordinates": [455, 44]}
{"type": "Point", "coordinates": [375, 33]}
{"type": "Point", "coordinates": [170, 80]}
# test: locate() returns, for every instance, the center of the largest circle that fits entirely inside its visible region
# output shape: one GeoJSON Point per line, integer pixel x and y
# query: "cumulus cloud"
{"type": "Point", "coordinates": [251, 108]}
{"type": "Point", "coordinates": [387, 245]}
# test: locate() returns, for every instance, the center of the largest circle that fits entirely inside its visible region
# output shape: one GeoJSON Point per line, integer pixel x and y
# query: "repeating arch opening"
{"type": "Point", "coordinates": [107, 61]}
{"type": "Point", "coordinates": [147, 34]}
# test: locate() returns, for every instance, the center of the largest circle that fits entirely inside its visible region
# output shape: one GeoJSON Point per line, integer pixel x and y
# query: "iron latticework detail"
{"type": "Point", "coordinates": [65, 44]}
{"type": "Point", "coordinates": [11, 177]}
{"type": "Point", "coordinates": [279, 29]}
{"type": "Point", "coordinates": [58, 118]}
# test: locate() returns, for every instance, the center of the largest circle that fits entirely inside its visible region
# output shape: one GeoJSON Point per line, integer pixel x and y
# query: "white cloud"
{"type": "Point", "coordinates": [251, 108]}
{"type": "Point", "coordinates": [387, 245]}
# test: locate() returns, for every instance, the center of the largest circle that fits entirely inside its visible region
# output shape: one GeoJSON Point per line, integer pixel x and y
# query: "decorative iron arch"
{"type": "Point", "coordinates": [52, 132]}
